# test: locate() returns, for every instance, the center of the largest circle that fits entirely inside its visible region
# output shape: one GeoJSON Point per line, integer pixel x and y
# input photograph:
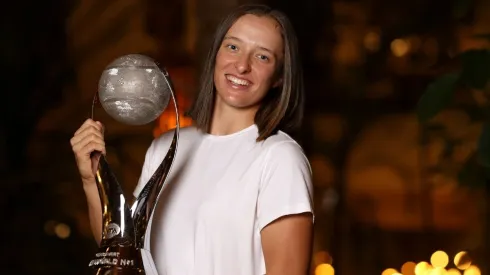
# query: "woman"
{"type": "Point", "coordinates": [238, 199]}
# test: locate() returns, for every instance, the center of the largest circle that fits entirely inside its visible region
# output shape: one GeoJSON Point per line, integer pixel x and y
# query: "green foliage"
{"type": "Point", "coordinates": [437, 96]}
{"type": "Point", "coordinates": [474, 74]}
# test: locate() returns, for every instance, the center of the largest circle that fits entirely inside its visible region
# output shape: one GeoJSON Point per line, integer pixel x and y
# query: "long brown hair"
{"type": "Point", "coordinates": [282, 107]}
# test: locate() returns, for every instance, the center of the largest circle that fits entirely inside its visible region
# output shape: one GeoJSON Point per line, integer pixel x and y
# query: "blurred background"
{"type": "Point", "coordinates": [390, 194]}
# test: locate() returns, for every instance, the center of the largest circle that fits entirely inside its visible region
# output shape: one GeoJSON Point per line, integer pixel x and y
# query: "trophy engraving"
{"type": "Point", "coordinates": [112, 230]}
{"type": "Point", "coordinates": [135, 91]}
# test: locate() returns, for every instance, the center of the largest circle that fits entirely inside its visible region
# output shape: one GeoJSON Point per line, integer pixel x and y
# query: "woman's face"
{"type": "Point", "coordinates": [247, 61]}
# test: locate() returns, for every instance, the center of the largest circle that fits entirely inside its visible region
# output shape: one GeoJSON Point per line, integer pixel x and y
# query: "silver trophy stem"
{"type": "Point", "coordinates": [117, 223]}
{"type": "Point", "coordinates": [144, 206]}
{"type": "Point", "coordinates": [131, 224]}
{"type": "Point", "coordinates": [124, 228]}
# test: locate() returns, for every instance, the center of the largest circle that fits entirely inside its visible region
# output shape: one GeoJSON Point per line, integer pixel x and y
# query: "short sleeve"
{"type": "Point", "coordinates": [286, 185]}
{"type": "Point", "coordinates": [146, 171]}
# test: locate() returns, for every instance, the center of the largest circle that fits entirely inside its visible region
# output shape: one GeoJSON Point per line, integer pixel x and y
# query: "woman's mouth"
{"type": "Point", "coordinates": [237, 81]}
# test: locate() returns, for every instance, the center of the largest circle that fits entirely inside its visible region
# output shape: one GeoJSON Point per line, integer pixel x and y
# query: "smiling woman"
{"type": "Point", "coordinates": [246, 64]}
{"type": "Point", "coordinates": [238, 199]}
{"type": "Point", "coordinates": [257, 45]}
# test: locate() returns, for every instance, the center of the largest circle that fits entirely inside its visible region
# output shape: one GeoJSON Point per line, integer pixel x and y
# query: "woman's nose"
{"type": "Point", "coordinates": [242, 64]}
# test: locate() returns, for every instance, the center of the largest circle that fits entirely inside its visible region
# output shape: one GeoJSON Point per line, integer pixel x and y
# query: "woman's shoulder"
{"type": "Point", "coordinates": [281, 143]}
{"type": "Point", "coordinates": [284, 152]}
{"type": "Point", "coordinates": [186, 134]}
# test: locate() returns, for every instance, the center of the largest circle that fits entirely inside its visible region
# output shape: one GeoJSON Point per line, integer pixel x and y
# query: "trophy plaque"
{"type": "Point", "coordinates": [133, 90]}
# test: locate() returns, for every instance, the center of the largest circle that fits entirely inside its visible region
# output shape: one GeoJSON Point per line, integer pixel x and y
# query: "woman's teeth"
{"type": "Point", "coordinates": [237, 81]}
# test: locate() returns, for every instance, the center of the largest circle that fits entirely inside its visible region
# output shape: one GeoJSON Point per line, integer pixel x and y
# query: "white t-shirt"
{"type": "Point", "coordinates": [220, 193]}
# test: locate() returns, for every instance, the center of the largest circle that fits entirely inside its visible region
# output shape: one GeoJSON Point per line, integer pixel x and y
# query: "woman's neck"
{"type": "Point", "coordinates": [227, 120]}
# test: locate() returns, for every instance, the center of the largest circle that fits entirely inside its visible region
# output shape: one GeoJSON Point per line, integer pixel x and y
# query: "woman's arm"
{"type": "Point", "coordinates": [287, 245]}
{"type": "Point", "coordinates": [94, 209]}
{"type": "Point", "coordinates": [285, 210]}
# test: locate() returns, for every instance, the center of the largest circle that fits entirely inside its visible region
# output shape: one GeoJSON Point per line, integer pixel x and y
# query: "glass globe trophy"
{"type": "Point", "coordinates": [133, 90]}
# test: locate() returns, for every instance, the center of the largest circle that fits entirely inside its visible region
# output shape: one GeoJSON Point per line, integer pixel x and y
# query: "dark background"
{"type": "Point", "coordinates": [385, 189]}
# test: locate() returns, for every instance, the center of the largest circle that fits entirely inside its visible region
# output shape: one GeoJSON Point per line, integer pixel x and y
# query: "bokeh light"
{"type": "Point", "coordinates": [422, 267]}
{"type": "Point", "coordinates": [453, 271]}
{"type": "Point", "coordinates": [439, 259]}
{"type": "Point", "coordinates": [62, 230]}
{"type": "Point", "coordinates": [472, 270]}
{"type": "Point", "coordinates": [324, 269]}
{"type": "Point", "coordinates": [372, 41]}
{"type": "Point", "coordinates": [437, 271]}
{"type": "Point", "coordinates": [462, 260]}
{"type": "Point", "coordinates": [400, 47]}
{"type": "Point", "coordinates": [322, 257]}
{"type": "Point", "coordinates": [408, 268]}
{"type": "Point", "coordinates": [389, 271]}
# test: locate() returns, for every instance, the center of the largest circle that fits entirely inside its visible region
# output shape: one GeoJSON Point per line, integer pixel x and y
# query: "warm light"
{"type": "Point", "coordinates": [438, 271]}
{"type": "Point", "coordinates": [324, 269]}
{"type": "Point", "coordinates": [462, 260]}
{"type": "Point", "coordinates": [472, 270]}
{"type": "Point", "coordinates": [322, 257]}
{"type": "Point", "coordinates": [438, 263]}
{"type": "Point", "coordinates": [62, 231]}
{"type": "Point", "coordinates": [372, 41]}
{"type": "Point", "coordinates": [390, 271]}
{"type": "Point", "coordinates": [400, 47]}
{"type": "Point", "coordinates": [408, 268]}
{"type": "Point", "coordinates": [453, 271]}
{"type": "Point", "coordinates": [347, 53]}
{"type": "Point", "coordinates": [439, 259]}
{"type": "Point", "coordinates": [422, 267]}
{"type": "Point", "coordinates": [166, 121]}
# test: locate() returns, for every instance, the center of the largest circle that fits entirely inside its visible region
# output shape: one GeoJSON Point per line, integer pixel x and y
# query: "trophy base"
{"type": "Point", "coordinates": [122, 260]}
{"type": "Point", "coordinates": [118, 271]}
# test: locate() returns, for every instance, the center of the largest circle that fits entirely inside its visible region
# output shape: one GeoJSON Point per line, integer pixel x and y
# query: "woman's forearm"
{"type": "Point", "coordinates": [94, 209]}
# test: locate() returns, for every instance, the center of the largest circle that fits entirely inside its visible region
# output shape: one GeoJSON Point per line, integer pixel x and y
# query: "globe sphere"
{"type": "Point", "coordinates": [134, 90]}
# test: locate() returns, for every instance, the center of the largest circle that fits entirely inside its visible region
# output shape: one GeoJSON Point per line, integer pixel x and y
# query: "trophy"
{"type": "Point", "coordinates": [133, 90]}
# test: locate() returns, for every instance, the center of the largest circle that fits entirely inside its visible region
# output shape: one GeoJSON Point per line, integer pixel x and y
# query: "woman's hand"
{"type": "Point", "coordinates": [87, 144]}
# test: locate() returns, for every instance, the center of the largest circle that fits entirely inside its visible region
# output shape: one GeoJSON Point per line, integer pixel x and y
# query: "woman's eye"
{"type": "Point", "coordinates": [232, 47]}
{"type": "Point", "coordinates": [263, 57]}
